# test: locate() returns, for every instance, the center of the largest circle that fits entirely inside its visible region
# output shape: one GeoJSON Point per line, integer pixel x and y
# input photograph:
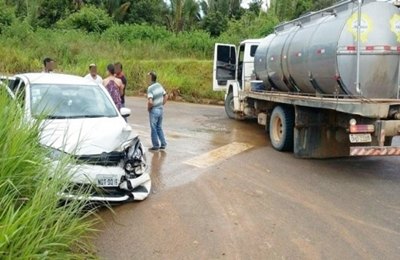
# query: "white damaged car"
{"type": "Point", "coordinates": [81, 120]}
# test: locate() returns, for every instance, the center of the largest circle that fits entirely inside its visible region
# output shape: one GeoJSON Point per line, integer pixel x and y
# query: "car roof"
{"type": "Point", "coordinates": [55, 78]}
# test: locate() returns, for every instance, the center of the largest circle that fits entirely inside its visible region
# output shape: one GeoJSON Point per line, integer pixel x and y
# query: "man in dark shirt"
{"type": "Point", "coordinates": [48, 65]}
{"type": "Point", "coordinates": [120, 74]}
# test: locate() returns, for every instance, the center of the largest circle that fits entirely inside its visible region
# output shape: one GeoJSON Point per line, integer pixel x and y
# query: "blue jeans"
{"type": "Point", "coordinates": [157, 134]}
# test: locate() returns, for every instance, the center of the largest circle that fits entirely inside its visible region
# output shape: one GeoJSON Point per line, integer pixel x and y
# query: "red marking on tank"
{"type": "Point", "coordinates": [351, 48]}
{"type": "Point", "coordinates": [369, 48]}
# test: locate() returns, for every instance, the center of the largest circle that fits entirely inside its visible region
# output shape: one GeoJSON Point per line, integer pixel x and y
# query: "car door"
{"type": "Point", "coordinates": [224, 66]}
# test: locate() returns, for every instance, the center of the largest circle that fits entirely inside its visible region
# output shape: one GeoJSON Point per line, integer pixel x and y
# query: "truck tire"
{"type": "Point", "coordinates": [281, 128]}
{"type": "Point", "coordinates": [229, 106]}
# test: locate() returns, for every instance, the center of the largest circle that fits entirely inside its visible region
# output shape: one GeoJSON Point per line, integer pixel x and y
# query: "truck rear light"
{"type": "Point", "coordinates": [362, 128]}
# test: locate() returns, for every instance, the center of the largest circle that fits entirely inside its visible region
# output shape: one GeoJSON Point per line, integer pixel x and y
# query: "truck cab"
{"type": "Point", "coordinates": [234, 65]}
{"type": "Point", "coordinates": [233, 71]}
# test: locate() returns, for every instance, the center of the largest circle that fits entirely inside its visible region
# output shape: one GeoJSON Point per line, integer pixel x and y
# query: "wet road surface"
{"type": "Point", "coordinates": [221, 192]}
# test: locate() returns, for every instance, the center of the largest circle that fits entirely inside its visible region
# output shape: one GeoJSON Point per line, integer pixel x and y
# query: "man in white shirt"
{"type": "Point", "coordinates": [93, 74]}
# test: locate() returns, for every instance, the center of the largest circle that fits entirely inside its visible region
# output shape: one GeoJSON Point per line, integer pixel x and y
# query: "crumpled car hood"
{"type": "Point", "coordinates": [86, 136]}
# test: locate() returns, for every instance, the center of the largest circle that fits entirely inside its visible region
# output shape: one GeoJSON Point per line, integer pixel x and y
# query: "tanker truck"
{"type": "Point", "coordinates": [323, 85]}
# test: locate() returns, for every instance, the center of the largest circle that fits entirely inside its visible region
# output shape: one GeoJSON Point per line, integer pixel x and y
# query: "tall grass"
{"type": "Point", "coordinates": [183, 61]}
{"type": "Point", "coordinates": [33, 224]}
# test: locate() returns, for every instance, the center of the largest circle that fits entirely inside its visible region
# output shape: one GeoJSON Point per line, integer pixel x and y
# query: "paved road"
{"type": "Point", "coordinates": [221, 192]}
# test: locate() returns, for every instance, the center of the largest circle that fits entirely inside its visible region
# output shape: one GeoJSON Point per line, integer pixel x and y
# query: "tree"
{"type": "Point", "coordinates": [320, 4]}
{"type": "Point", "coordinates": [90, 19]}
{"type": "Point", "coordinates": [290, 9]}
{"type": "Point", "coordinates": [146, 11]}
{"type": "Point", "coordinates": [228, 8]}
{"type": "Point", "coordinates": [256, 26]}
{"type": "Point", "coordinates": [215, 23]}
{"type": "Point", "coordinates": [302, 7]}
{"type": "Point", "coordinates": [284, 9]}
{"type": "Point", "coordinates": [7, 15]}
{"type": "Point", "coordinates": [255, 6]}
{"type": "Point", "coordinates": [183, 15]}
{"type": "Point", "coordinates": [49, 12]}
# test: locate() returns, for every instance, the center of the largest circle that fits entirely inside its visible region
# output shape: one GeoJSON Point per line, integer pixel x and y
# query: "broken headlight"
{"type": "Point", "coordinates": [135, 159]}
{"type": "Point", "coordinates": [54, 154]}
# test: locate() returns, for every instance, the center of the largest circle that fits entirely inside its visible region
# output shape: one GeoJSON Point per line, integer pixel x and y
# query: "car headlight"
{"type": "Point", "coordinates": [135, 161]}
{"type": "Point", "coordinates": [54, 154]}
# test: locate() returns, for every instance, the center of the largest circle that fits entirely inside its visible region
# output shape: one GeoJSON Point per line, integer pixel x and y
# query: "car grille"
{"type": "Point", "coordinates": [104, 159]}
{"type": "Point", "coordinates": [96, 191]}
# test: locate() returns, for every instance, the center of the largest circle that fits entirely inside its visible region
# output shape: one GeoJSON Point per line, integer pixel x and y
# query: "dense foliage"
{"type": "Point", "coordinates": [175, 37]}
{"type": "Point", "coordinates": [175, 15]}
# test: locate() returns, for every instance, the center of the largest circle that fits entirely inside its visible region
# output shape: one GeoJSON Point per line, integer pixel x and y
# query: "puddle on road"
{"type": "Point", "coordinates": [196, 146]}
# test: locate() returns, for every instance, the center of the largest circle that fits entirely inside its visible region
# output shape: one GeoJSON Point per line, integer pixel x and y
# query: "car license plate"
{"type": "Point", "coordinates": [360, 138]}
{"type": "Point", "coordinates": [107, 181]}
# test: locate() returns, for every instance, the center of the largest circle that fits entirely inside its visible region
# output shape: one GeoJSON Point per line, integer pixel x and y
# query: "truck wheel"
{"type": "Point", "coordinates": [229, 106]}
{"type": "Point", "coordinates": [281, 128]}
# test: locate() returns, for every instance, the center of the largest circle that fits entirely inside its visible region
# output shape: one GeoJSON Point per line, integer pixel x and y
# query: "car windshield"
{"type": "Point", "coordinates": [70, 101]}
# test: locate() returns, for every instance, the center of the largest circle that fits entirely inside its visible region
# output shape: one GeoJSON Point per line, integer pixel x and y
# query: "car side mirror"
{"type": "Point", "coordinates": [125, 112]}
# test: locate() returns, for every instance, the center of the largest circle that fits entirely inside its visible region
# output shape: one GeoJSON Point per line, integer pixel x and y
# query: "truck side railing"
{"type": "Point", "coordinates": [372, 108]}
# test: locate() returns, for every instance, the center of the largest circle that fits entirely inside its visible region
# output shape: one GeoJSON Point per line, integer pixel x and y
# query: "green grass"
{"type": "Point", "coordinates": [33, 224]}
{"type": "Point", "coordinates": [183, 62]}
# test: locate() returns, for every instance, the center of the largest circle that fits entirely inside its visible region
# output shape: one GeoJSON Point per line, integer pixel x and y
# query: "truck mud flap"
{"type": "Point", "coordinates": [374, 151]}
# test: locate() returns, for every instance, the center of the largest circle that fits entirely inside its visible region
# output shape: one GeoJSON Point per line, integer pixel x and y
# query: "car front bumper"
{"type": "Point", "coordinates": [85, 185]}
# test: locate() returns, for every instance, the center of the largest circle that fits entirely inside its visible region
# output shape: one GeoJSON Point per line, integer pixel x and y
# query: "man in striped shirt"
{"type": "Point", "coordinates": [156, 99]}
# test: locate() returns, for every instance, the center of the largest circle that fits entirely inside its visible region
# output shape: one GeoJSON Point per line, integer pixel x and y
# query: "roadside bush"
{"type": "Point", "coordinates": [136, 32]}
{"type": "Point", "coordinates": [192, 79]}
{"type": "Point", "coordinates": [33, 224]}
{"type": "Point", "coordinates": [20, 31]}
{"type": "Point", "coordinates": [47, 13]}
{"type": "Point", "coordinates": [7, 16]}
{"type": "Point", "coordinates": [183, 60]}
{"type": "Point", "coordinates": [89, 19]}
{"type": "Point", "coordinates": [256, 27]}
{"type": "Point", "coordinates": [191, 44]}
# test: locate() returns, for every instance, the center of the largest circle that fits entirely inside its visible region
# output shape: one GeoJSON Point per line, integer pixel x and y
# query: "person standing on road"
{"type": "Point", "coordinates": [48, 65]}
{"type": "Point", "coordinates": [120, 74]}
{"type": "Point", "coordinates": [93, 74]}
{"type": "Point", "coordinates": [156, 99]}
{"type": "Point", "coordinates": [113, 85]}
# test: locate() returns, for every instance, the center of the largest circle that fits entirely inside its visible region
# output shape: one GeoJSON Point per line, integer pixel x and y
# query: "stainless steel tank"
{"type": "Point", "coordinates": [317, 53]}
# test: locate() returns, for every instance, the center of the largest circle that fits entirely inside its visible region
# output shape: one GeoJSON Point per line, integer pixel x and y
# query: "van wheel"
{"type": "Point", "coordinates": [229, 106]}
{"type": "Point", "coordinates": [281, 128]}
